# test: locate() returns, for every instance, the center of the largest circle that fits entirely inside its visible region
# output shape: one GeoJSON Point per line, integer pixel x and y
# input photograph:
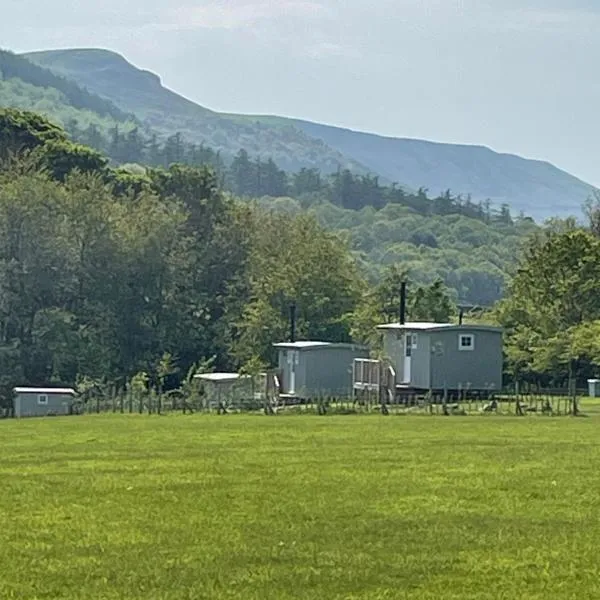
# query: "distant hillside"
{"type": "Point", "coordinates": [141, 92]}
{"type": "Point", "coordinates": [27, 86]}
{"type": "Point", "coordinates": [537, 188]}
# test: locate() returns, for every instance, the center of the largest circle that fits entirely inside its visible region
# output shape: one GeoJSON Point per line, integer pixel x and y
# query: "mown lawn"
{"type": "Point", "coordinates": [254, 507]}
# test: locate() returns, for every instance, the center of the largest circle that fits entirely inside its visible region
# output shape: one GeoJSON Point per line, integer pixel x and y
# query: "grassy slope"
{"type": "Point", "coordinates": [15, 66]}
{"type": "Point", "coordinates": [27, 86]}
{"type": "Point", "coordinates": [299, 507]}
{"type": "Point", "coordinates": [52, 104]}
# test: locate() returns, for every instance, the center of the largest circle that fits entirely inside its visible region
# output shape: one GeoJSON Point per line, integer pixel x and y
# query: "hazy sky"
{"type": "Point", "coordinates": [516, 75]}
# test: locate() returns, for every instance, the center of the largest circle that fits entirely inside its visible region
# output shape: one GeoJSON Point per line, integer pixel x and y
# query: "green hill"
{"type": "Point", "coordinates": [535, 187]}
{"type": "Point", "coordinates": [27, 86]}
{"type": "Point", "coordinates": [134, 90]}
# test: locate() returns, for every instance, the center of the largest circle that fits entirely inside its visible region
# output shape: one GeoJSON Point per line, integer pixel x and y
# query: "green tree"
{"type": "Point", "coordinates": [174, 149]}
{"type": "Point", "coordinates": [242, 175]}
{"type": "Point", "coordinates": [382, 305]}
{"type": "Point", "coordinates": [63, 157]}
{"type": "Point", "coordinates": [432, 303]}
{"type": "Point", "coordinates": [134, 146]}
{"type": "Point", "coordinates": [217, 255]}
{"type": "Point", "coordinates": [306, 181]}
{"type": "Point", "coordinates": [555, 291]}
{"type": "Point", "coordinates": [294, 260]}
{"type": "Point", "coordinates": [92, 137]}
{"type": "Point", "coordinates": [23, 130]}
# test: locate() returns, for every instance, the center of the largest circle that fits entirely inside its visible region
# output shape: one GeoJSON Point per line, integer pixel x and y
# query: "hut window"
{"type": "Point", "coordinates": [42, 399]}
{"type": "Point", "coordinates": [466, 341]}
{"type": "Point", "coordinates": [411, 341]}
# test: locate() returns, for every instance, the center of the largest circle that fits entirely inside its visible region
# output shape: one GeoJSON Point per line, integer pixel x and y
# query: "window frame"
{"type": "Point", "coordinates": [471, 346]}
{"type": "Point", "coordinates": [413, 340]}
{"type": "Point", "coordinates": [42, 402]}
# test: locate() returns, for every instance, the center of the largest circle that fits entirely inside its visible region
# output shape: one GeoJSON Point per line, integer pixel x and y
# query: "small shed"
{"type": "Point", "coordinates": [317, 369]}
{"type": "Point", "coordinates": [227, 389]}
{"type": "Point", "coordinates": [40, 402]}
{"type": "Point", "coordinates": [445, 356]}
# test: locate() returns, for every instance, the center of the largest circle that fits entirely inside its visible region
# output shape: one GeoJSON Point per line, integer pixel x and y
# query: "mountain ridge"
{"type": "Point", "coordinates": [536, 187]}
{"type": "Point", "coordinates": [166, 112]}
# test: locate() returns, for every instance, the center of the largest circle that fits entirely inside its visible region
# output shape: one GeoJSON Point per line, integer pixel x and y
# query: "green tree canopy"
{"type": "Point", "coordinates": [293, 260]}
{"type": "Point", "coordinates": [382, 305]}
{"type": "Point", "coordinates": [552, 302]}
{"type": "Point", "coordinates": [24, 130]}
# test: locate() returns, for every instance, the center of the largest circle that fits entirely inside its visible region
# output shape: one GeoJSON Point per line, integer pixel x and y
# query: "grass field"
{"type": "Point", "coordinates": [248, 507]}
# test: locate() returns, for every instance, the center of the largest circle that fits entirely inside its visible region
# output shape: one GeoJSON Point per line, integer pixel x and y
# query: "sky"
{"type": "Point", "coordinates": [517, 76]}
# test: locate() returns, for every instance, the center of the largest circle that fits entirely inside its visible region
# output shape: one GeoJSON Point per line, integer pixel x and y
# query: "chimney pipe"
{"type": "Point", "coordinates": [460, 315]}
{"type": "Point", "coordinates": [402, 302]}
{"type": "Point", "coordinates": [292, 322]}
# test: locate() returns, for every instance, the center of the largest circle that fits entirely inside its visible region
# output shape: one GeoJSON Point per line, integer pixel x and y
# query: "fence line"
{"type": "Point", "coordinates": [544, 403]}
{"type": "Point", "coordinates": [549, 402]}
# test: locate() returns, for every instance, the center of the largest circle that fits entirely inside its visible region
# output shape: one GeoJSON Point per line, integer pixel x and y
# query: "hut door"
{"type": "Point", "coordinates": [408, 345]}
{"type": "Point", "coordinates": [293, 360]}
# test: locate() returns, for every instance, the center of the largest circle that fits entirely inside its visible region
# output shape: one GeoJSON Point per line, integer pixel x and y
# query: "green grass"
{"type": "Point", "coordinates": [249, 507]}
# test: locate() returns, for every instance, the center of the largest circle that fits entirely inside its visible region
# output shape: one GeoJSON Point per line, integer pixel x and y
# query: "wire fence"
{"type": "Point", "coordinates": [554, 403]}
{"type": "Point", "coordinates": [540, 402]}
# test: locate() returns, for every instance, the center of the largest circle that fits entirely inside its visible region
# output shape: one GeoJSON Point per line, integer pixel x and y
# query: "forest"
{"type": "Point", "coordinates": [107, 272]}
{"type": "Point", "coordinates": [471, 246]}
{"type": "Point", "coordinates": [254, 177]}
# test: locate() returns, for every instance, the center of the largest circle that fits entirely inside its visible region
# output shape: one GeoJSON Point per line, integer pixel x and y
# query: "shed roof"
{"type": "Point", "coordinates": [219, 377]}
{"type": "Point", "coordinates": [309, 345]}
{"type": "Point", "coordinates": [425, 326]}
{"type": "Point", "coordinates": [302, 344]}
{"type": "Point", "coordinates": [43, 390]}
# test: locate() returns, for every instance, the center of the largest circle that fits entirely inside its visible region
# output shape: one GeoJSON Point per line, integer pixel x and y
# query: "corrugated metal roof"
{"type": "Point", "coordinates": [42, 390]}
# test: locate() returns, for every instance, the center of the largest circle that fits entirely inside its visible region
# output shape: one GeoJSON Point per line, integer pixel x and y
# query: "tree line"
{"type": "Point", "coordinates": [551, 313]}
{"type": "Point", "coordinates": [255, 177]}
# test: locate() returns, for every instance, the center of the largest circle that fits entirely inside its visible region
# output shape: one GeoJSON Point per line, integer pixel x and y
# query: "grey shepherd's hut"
{"type": "Point", "coordinates": [317, 369]}
{"type": "Point", "coordinates": [444, 356]}
{"type": "Point", "coordinates": [40, 402]}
